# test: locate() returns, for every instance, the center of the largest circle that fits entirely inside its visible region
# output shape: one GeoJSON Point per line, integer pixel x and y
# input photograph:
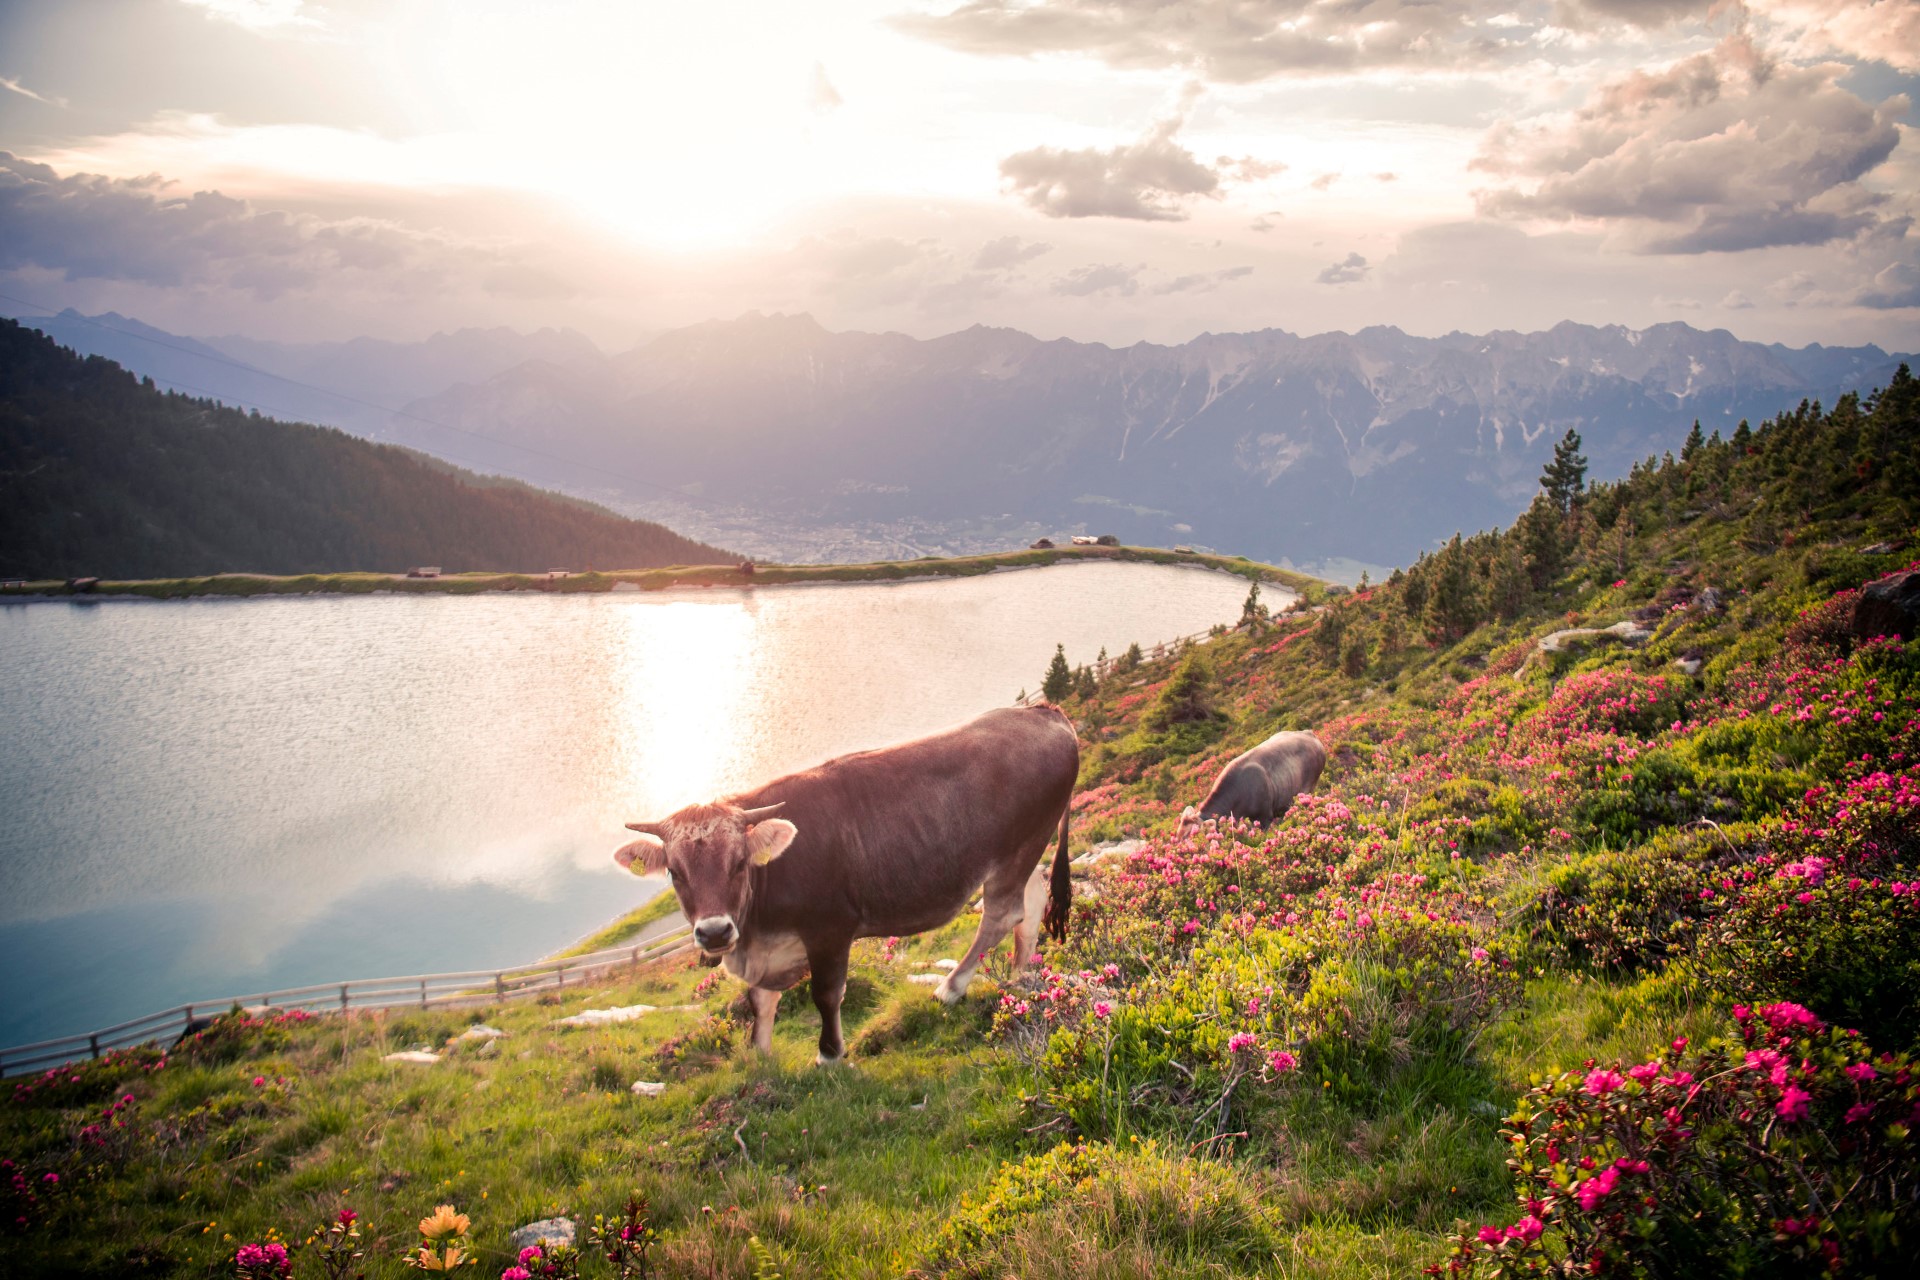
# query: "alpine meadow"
{"type": "Point", "coordinates": [982, 639]}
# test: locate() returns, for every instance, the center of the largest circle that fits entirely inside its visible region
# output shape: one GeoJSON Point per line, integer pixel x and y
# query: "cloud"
{"type": "Point", "coordinates": [1677, 304]}
{"type": "Point", "coordinates": [1108, 277]}
{"type": "Point", "coordinates": [14, 86]}
{"type": "Point", "coordinates": [1386, 177]}
{"type": "Point", "coordinates": [1248, 169]}
{"type": "Point", "coordinates": [1264, 222]}
{"type": "Point", "coordinates": [261, 16]}
{"type": "Point", "coordinates": [1881, 31]}
{"type": "Point", "coordinates": [1324, 181]}
{"type": "Point", "coordinates": [1201, 282]}
{"type": "Point", "coordinates": [1144, 180]}
{"type": "Point", "coordinates": [1220, 40]}
{"type": "Point", "coordinates": [140, 230]}
{"type": "Point", "coordinates": [1721, 152]}
{"type": "Point", "coordinates": [1008, 252]}
{"type": "Point", "coordinates": [1349, 270]}
{"type": "Point", "coordinates": [1737, 300]}
{"type": "Point", "coordinates": [822, 97]}
{"type": "Point", "coordinates": [1897, 287]}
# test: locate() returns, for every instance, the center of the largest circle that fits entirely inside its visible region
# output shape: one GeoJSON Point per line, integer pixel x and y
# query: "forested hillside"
{"type": "Point", "coordinates": [109, 477]}
{"type": "Point", "coordinates": [1597, 952]}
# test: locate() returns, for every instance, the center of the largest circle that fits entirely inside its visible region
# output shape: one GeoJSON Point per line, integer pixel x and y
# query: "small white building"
{"type": "Point", "coordinates": [1085, 540]}
{"type": "Point", "coordinates": [424, 571]}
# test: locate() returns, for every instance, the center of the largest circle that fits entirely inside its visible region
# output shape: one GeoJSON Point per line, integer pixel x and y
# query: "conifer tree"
{"type": "Point", "coordinates": [1059, 679]}
{"type": "Point", "coordinates": [1186, 697]}
{"type": "Point", "coordinates": [1693, 442]}
{"type": "Point", "coordinates": [1565, 476]}
{"type": "Point", "coordinates": [1253, 614]}
{"type": "Point", "coordinates": [1510, 586]}
{"type": "Point", "coordinates": [1452, 607]}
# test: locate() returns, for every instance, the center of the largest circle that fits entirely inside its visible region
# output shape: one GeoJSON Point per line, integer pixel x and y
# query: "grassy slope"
{"type": "Point", "coordinates": [856, 1170]}
{"type": "Point", "coordinates": [235, 584]}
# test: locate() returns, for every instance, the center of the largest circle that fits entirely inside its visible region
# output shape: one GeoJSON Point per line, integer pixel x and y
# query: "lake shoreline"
{"type": "Point", "coordinates": [240, 586]}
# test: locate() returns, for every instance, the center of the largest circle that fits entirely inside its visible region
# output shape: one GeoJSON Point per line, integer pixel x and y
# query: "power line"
{"type": "Point", "coordinates": [591, 468]}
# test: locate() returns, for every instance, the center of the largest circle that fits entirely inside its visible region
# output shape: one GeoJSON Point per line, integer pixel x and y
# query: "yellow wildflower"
{"type": "Point", "coordinates": [446, 1221]}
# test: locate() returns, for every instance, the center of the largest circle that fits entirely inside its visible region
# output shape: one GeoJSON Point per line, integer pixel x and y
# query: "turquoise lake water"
{"type": "Point", "coordinates": [204, 799]}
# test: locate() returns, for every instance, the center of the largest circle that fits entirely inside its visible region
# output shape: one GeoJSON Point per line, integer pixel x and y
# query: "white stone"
{"type": "Point", "coordinates": [481, 1031]}
{"type": "Point", "coordinates": [606, 1017]}
{"type": "Point", "coordinates": [648, 1088]}
{"type": "Point", "coordinates": [926, 979]}
{"type": "Point", "coordinates": [547, 1232]}
{"type": "Point", "coordinates": [946, 964]}
{"type": "Point", "coordinates": [413, 1055]}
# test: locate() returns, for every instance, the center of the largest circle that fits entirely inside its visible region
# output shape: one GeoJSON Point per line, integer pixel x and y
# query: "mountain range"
{"type": "Point", "coordinates": [1369, 447]}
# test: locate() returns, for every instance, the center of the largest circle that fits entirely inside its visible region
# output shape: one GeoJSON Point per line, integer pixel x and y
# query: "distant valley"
{"type": "Point", "coordinates": [773, 435]}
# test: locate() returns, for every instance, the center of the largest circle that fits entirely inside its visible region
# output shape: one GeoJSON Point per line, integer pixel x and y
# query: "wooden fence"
{"type": "Point", "coordinates": [420, 991]}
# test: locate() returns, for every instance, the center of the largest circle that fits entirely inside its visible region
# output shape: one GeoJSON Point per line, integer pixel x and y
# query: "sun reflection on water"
{"type": "Point", "coordinates": [681, 677]}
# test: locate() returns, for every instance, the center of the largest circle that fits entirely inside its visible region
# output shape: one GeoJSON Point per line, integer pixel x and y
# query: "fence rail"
{"type": "Point", "coordinates": [421, 991]}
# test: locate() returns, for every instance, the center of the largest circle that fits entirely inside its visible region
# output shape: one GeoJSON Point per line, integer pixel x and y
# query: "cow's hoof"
{"type": "Point", "coordinates": [947, 992]}
{"type": "Point", "coordinates": [821, 1059]}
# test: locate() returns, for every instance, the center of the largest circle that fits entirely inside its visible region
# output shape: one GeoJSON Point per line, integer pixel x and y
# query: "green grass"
{"type": "Point", "coordinates": [627, 927]}
{"type": "Point", "coordinates": [247, 584]}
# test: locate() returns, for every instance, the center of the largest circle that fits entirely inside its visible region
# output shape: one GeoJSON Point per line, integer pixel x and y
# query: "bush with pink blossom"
{"type": "Point", "coordinates": [1785, 1151]}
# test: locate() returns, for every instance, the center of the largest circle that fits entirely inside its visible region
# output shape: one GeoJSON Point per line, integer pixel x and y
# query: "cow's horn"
{"type": "Point", "coordinates": [762, 813]}
{"type": "Point", "coordinates": [647, 829]}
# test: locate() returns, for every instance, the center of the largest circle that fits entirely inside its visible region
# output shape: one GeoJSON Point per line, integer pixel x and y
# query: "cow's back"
{"type": "Point", "coordinates": [1261, 783]}
{"type": "Point", "coordinates": [899, 839]}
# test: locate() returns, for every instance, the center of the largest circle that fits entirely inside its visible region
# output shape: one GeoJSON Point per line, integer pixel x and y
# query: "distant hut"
{"type": "Point", "coordinates": [1044, 544]}
{"type": "Point", "coordinates": [424, 571]}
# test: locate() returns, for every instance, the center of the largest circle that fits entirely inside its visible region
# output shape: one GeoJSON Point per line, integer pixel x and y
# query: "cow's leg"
{"type": "Point", "coordinates": [829, 966]}
{"type": "Point", "coordinates": [765, 1004]}
{"type": "Point", "coordinates": [1032, 907]}
{"type": "Point", "coordinates": [1002, 908]}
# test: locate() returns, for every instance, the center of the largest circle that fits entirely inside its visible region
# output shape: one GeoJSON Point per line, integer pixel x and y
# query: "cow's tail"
{"type": "Point", "coordinates": [1060, 892]}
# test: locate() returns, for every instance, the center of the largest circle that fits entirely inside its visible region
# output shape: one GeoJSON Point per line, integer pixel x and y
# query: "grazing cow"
{"type": "Point", "coordinates": [1261, 783]}
{"type": "Point", "coordinates": [875, 844]}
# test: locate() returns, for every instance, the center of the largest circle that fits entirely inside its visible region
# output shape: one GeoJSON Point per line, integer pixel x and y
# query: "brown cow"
{"type": "Point", "coordinates": [875, 844]}
{"type": "Point", "coordinates": [1261, 784]}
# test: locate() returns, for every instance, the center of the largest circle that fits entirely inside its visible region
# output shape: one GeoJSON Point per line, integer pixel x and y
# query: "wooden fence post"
{"type": "Point", "coordinates": [423, 993]}
{"type": "Point", "coordinates": [499, 987]}
{"type": "Point", "coordinates": [343, 995]}
{"type": "Point", "coordinates": [93, 1043]}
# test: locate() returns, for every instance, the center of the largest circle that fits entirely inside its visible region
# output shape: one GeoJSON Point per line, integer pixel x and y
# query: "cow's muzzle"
{"type": "Point", "coordinates": [715, 935]}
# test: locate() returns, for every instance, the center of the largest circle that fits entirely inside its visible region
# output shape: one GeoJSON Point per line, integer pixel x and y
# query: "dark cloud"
{"type": "Point", "coordinates": [1895, 288]}
{"type": "Point", "coordinates": [1349, 270]}
{"type": "Point", "coordinates": [1201, 282]}
{"type": "Point", "coordinates": [1101, 277]}
{"type": "Point", "coordinates": [1235, 40]}
{"type": "Point", "coordinates": [1008, 252]}
{"type": "Point", "coordinates": [1144, 180]}
{"type": "Point", "coordinates": [1724, 151]}
{"type": "Point", "coordinates": [88, 227]}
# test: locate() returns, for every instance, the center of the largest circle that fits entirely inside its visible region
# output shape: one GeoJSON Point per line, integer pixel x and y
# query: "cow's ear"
{"type": "Point", "coordinates": [768, 840]}
{"type": "Point", "coordinates": [645, 856]}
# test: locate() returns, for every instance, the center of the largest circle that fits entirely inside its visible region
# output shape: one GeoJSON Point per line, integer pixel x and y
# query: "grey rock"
{"type": "Point", "coordinates": [1889, 606]}
{"type": "Point", "coordinates": [547, 1233]}
{"type": "Point", "coordinates": [1627, 632]}
{"type": "Point", "coordinates": [1710, 601]}
{"type": "Point", "coordinates": [1691, 666]}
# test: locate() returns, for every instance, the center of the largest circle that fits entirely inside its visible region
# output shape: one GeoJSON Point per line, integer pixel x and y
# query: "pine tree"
{"type": "Point", "coordinates": [1510, 586]}
{"type": "Point", "coordinates": [1452, 604]}
{"type": "Point", "coordinates": [1084, 683]}
{"type": "Point", "coordinates": [1563, 478]}
{"type": "Point", "coordinates": [1253, 614]}
{"type": "Point", "coordinates": [1694, 440]}
{"type": "Point", "coordinates": [1543, 541]}
{"type": "Point", "coordinates": [1186, 697]}
{"type": "Point", "coordinates": [1059, 678]}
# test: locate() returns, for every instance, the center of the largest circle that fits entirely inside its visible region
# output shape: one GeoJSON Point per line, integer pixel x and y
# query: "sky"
{"type": "Point", "coordinates": [1104, 170]}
